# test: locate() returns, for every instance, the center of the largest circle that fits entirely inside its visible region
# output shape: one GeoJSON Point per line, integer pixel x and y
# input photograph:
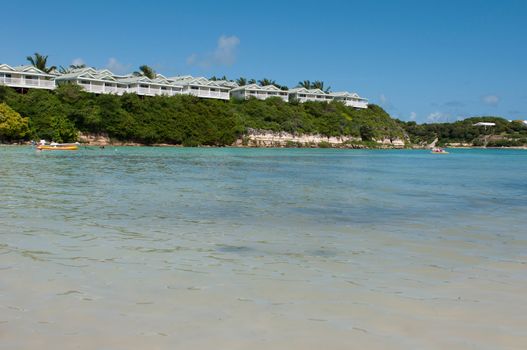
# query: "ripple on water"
{"type": "Point", "coordinates": [301, 238]}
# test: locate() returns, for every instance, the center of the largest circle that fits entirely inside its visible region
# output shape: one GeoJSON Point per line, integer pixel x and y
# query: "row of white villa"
{"type": "Point", "coordinates": [105, 82]}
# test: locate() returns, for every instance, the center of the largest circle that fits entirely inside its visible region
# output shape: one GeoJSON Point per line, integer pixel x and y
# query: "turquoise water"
{"type": "Point", "coordinates": [286, 248]}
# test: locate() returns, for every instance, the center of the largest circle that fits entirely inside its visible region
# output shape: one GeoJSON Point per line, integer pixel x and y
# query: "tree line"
{"type": "Point", "coordinates": [188, 120]}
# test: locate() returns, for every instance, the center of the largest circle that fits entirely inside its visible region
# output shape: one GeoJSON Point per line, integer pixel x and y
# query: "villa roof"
{"type": "Point", "coordinates": [303, 90]}
{"type": "Point", "coordinates": [23, 69]}
{"type": "Point", "coordinates": [88, 74]}
{"type": "Point", "coordinates": [258, 88]}
{"type": "Point", "coordinates": [105, 75]}
{"type": "Point", "coordinates": [345, 94]}
{"type": "Point", "coordinates": [159, 80]}
{"type": "Point", "coordinates": [202, 81]}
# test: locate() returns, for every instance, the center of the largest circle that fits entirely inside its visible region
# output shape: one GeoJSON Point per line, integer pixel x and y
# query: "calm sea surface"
{"type": "Point", "coordinates": [165, 248]}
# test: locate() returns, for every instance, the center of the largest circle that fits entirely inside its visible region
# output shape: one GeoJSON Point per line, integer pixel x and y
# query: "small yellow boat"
{"type": "Point", "coordinates": [58, 147]}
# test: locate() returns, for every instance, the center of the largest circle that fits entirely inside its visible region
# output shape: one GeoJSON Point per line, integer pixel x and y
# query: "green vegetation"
{"type": "Point", "coordinates": [504, 133]}
{"type": "Point", "coordinates": [40, 61]}
{"type": "Point", "coordinates": [65, 70]}
{"type": "Point", "coordinates": [187, 120]}
{"type": "Point", "coordinates": [12, 125]}
{"type": "Point", "coordinates": [317, 84]}
{"type": "Point", "coordinates": [146, 71]}
{"type": "Point", "coordinates": [59, 115]}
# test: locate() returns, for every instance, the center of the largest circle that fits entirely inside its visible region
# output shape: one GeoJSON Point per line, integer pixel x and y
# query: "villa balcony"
{"type": "Point", "coordinates": [96, 89]}
{"type": "Point", "coordinates": [152, 91]}
{"type": "Point", "coordinates": [220, 95]}
{"type": "Point", "coordinates": [27, 83]}
{"type": "Point", "coordinates": [264, 95]}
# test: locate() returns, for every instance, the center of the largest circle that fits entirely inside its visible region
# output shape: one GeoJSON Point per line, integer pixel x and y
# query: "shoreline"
{"type": "Point", "coordinates": [347, 147]}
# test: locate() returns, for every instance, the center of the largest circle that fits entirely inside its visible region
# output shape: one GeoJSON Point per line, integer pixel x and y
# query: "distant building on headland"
{"type": "Point", "coordinates": [485, 124]}
{"type": "Point", "coordinates": [105, 82]}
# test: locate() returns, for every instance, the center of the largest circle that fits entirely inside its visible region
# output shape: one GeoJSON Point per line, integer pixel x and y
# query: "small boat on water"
{"type": "Point", "coordinates": [58, 146]}
{"type": "Point", "coordinates": [438, 150]}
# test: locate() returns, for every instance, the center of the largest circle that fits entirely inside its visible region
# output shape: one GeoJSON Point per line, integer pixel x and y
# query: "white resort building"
{"type": "Point", "coordinates": [25, 77]}
{"type": "Point", "coordinates": [105, 82]}
{"type": "Point", "coordinates": [302, 95]}
{"type": "Point", "coordinates": [260, 92]}
{"type": "Point", "coordinates": [203, 87]}
{"type": "Point", "coordinates": [94, 81]}
{"type": "Point", "coordinates": [351, 99]}
{"type": "Point", "coordinates": [144, 86]}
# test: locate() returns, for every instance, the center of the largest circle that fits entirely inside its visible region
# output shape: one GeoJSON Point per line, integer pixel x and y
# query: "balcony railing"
{"type": "Point", "coordinates": [209, 94]}
{"type": "Point", "coordinates": [29, 83]}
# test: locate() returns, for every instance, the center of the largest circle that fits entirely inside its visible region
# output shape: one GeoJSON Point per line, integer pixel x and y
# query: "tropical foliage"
{"type": "Point", "coordinates": [146, 71]}
{"type": "Point", "coordinates": [40, 61]}
{"type": "Point", "coordinates": [72, 67]}
{"type": "Point", "coordinates": [59, 115]}
{"type": "Point", "coordinates": [241, 81]}
{"type": "Point", "coordinates": [317, 84]}
{"type": "Point", "coordinates": [465, 131]}
{"type": "Point", "coordinates": [12, 125]}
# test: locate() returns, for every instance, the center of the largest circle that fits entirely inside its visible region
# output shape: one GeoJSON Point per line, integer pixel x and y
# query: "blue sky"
{"type": "Point", "coordinates": [421, 60]}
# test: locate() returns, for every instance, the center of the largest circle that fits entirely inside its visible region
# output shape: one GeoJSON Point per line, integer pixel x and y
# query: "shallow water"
{"type": "Point", "coordinates": [163, 248]}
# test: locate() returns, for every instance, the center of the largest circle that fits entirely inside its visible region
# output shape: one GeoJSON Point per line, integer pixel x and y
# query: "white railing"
{"type": "Point", "coordinates": [110, 89]}
{"type": "Point", "coordinates": [265, 95]}
{"type": "Point", "coordinates": [30, 83]}
{"type": "Point", "coordinates": [143, 91]}
{"type": "Point", "coordinates": [221, 95]}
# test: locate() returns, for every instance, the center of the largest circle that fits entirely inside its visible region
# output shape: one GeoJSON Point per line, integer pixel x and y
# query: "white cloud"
{"type": "Point", "coordinates": [192, 59]}
{"type": "Point", "coordinates": [117, 67]}
{"type": "Point", "coordinates": [413, 116]}
{"type": "Point", "coordinates": [223, 55]}
{"type": "Point", "coordinates": [77, 62]}
{"type": "Point", "coordinates": [491, 100]}
{"type": "Point", "coordinates": [226, 51]}
{"type": "Point", "coordinates": [383, 99]}
{"type": "Point", "coordinates": [437, 117]}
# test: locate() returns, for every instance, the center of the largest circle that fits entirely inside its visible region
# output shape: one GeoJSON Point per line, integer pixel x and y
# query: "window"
{"type": "Point", "coordinates": [144, 86]}
{"type": "Point", "coordinates": [84, 82]}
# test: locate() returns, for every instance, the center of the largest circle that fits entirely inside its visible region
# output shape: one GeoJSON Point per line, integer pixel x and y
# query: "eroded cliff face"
{"type": "Point", "coordinates": [266, 138]}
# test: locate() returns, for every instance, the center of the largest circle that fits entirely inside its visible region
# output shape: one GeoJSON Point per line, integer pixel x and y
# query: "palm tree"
{"type": "Point", "coordinates": [39, 61]}
{"type": "Point", "coordinates": [251, 81]}
{"type": "Point", "coordinates": [241, 81]}
{"type": "Point", "coordinates": [305, 84]}
{"type": "Point", "coordinates": [77, 66]}
{"type": "Point", "coordinates": [72, 67]}
{"type": "Point", "coordinates": [317, 84]}
{"type": "Point", "coordinates": [266, 81]}
{"type": "Point", "coordinates": [146, 71]}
